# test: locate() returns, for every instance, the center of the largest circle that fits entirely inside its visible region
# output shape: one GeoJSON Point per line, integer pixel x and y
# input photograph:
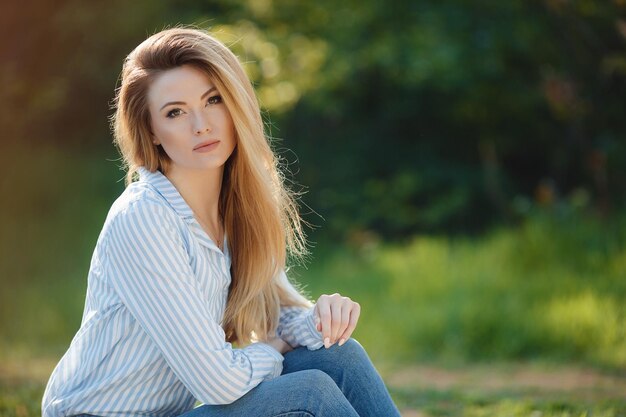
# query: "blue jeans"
{"type": "Point", "coordinates": [338, 381]}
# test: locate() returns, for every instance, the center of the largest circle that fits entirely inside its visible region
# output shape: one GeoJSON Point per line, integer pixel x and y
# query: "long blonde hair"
{"type": "Point", "coordinates": [260, 214]}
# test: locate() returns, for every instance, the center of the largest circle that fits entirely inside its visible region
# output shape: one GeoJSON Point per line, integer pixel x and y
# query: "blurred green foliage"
{"type": "Point", "coordinates": [551, 288]}
{"type": "Point", "coordinates": [402, 116]}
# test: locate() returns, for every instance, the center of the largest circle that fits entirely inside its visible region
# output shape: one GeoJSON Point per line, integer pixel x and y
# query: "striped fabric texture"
{"type": "Point", "coordinates": [150, 340]}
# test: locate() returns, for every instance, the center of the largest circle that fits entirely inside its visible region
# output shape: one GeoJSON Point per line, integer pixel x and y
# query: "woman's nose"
{"type": "Point", "coordinates": [202, 124]}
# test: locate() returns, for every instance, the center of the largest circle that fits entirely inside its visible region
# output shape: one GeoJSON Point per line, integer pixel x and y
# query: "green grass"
{"type": "Point", "coordinates": [455, 403]}
{"type": "Point", "coordinates": [551, 290]}
{"type": "Point", "coordinates": [474, 394]}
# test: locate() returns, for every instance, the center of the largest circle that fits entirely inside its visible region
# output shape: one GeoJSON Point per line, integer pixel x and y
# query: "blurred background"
{"type": "Point", "coordinates": [462, 164]}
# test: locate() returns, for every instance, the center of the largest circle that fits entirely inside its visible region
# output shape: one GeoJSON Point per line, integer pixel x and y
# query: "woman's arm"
{"type": "Point", "coordinates": [149, 268]}
{"type": "Point", "coordinates": [296, 324]}
{"type": "Point", "coordinates": [297, 327]}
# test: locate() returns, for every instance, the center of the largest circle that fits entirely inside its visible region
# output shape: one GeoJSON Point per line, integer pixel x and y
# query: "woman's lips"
{"type": "Point", "coordinates": [208, 147]}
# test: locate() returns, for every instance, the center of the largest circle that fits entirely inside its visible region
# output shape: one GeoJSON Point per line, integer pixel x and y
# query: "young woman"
{"type": "Point", "coordinates": [187, 297]}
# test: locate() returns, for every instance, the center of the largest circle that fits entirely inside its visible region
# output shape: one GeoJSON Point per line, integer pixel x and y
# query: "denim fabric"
{"type": "Point", "coordinates": [339, 381]}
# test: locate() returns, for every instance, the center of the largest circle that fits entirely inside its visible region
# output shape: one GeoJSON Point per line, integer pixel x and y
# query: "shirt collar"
{"type": "Point", "coordinates": [164, 187]}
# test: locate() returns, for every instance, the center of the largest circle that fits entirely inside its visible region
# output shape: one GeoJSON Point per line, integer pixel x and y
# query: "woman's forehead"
{"type": "Point", "coordinates": [180, 84]}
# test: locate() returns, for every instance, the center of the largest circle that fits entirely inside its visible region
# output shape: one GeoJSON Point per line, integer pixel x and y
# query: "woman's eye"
{"type": "Point", "coordinates": [215, 99]}
{"type": "Point", "coordinates": [173, 113]}
{"type": "Point", "coordinates": [176, 112]}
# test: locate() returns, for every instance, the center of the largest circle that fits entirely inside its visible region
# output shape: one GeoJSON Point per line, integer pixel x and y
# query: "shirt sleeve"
{"type": "Point", "coordinates": [296, 325]}
{"type": "Point", "coordinates": [149, 268]}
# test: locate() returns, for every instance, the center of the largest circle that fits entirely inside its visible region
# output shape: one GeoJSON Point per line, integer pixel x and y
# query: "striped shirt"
{"type": "Point", "coordinates": [150, 340]}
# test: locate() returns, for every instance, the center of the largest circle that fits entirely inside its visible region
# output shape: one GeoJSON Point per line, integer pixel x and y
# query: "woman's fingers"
{"type": "Point", "coordinates": [346, 313]}
{"type": "Point", "coordinates": [323, 312]}
{"type": "Point", "coordinates": [337, 318]}
{"type": "Point", "coordinates": [354, 318]}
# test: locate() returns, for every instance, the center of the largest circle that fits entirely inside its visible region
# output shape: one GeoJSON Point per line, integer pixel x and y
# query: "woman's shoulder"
{"type": "Point", "coordinates": [140, 203]}
{"type": "Point", "coordinates": [136, 194]}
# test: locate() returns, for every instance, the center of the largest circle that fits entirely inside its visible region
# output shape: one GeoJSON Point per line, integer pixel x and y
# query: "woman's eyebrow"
{"type": "Point", "coordinates": [182, 102]}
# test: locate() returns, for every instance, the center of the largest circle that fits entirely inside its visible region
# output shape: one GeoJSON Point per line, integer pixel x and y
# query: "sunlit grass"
{"type": "Point", "coordinates": [457, 403]}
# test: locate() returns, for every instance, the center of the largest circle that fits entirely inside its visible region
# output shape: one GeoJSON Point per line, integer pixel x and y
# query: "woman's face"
{"type": "Point", "coordinates": [190, 120]}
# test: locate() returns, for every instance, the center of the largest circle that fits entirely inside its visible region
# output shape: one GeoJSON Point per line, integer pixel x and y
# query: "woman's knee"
{"type": "Point", "coordinates": [352, 347]}
{"type": "Point", "coordinates": [336, 361]}
{"type": "Point", "coordinates": [350, 353]}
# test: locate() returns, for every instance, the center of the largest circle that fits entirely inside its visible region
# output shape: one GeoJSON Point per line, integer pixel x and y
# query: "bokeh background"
{"type": "Point", "coordinates": [462, 164]}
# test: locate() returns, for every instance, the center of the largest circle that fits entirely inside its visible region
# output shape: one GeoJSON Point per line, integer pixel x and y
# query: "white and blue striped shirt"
{"type": "Point", "coordinates": [150, 341]}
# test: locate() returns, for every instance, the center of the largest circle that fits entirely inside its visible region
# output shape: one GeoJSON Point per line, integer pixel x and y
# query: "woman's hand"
{"type": "Point", "coordinates": [336, 318]}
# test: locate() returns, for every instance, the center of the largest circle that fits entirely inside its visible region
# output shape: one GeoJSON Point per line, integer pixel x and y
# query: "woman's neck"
{"type": "Point", "coordinates": [201, 191]}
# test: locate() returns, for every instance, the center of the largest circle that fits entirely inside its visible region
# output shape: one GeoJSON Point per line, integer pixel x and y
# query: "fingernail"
{"type": "Point", "coordinates": [327, 343]}
{"type": "Point", "coordinates": [342, 341]}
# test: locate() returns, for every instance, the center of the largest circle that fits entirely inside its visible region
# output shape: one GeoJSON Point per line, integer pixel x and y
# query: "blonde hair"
{"type": "Point", "coordinates": [260, 214]}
